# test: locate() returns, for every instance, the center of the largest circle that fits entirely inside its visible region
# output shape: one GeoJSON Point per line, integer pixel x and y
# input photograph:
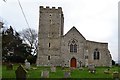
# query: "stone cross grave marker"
{"type": "Point", "coordinates": [21, 73]}
{"type": "Point", "coordinates": [27, 65]}
{"type": "Point", "coordinates": [53, 69]}
{"type": "Point", "coordinates": [9, 66]}
{"type": "Point", "coordinates": [45, 74]}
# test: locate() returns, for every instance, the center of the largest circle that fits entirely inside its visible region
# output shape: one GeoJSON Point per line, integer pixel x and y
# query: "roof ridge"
{"type": "Point", "coordinates": [76, 30]}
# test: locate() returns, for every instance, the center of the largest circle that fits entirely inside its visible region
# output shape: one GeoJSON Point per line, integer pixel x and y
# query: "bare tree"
{"type": "Point", "coordinates": [30, 36]}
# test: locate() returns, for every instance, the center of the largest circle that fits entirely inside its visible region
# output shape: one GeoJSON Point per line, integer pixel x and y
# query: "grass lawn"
{"type": "Point", "coordinates": [36, 73]}
{"type": "Point", "coordinates": [0, 71]}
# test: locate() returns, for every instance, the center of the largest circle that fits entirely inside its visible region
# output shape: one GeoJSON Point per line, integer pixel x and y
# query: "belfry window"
{"type": "Point", "coordinates": [96, 54]}
{"type": "Point", "coordinates": [73, 47]}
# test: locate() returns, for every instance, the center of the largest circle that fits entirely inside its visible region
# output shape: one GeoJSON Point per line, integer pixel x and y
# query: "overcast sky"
{"type": "Point", "coordinates": [97, 20]}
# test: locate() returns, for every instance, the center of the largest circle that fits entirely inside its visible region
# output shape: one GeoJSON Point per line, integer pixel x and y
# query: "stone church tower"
{"type": "Point", "coordinates": [51, 24]}
{"type": "Point", "coordinates": [69, 50]}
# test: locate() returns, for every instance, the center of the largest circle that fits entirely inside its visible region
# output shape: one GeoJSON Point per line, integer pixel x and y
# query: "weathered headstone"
{"type": "Point", "coordinates": [67, 74]}
{"type": "Point", "coordinates": [9, 66]}
{"type": "Point", "coordinates": [21, 73]}
{"type": "Point", "coordinates": [27, 65]}
{"type": "Point", "coordinates": [63, 67]}
{"type": "Point", "coordinates": [71, 69]}
{"type": "Point", "coordinates": [53, 69]}
{"type": "Point", "coordinates": [34, 68]}
{"type": "Point", "coordinates": [116, 75]}
{"type": "Point", "coordinates": [45, 74]}
{"type": "Point", "coordinates": [107, 71]}
{"type": "Point", "coordinates": [91, 68]}
{"type": "Point", "coordinates": [26, 60]}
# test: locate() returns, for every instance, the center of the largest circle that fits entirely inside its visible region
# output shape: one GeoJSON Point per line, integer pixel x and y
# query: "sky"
{"type": "Point", "coordinates": [96, 20]}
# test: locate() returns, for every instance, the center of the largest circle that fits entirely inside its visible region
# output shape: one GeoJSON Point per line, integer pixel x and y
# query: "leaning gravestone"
{"type": "Point", "coordinates": [27, 65]}
{"type": "Point", "coordinates": [91, 68]}
{"type": "Point", "coordinates": [45, 74]}
{"type": "Point", "coordinates": [9, 66]}
{"type": "Point", "coordinates": [67, 74]}
{"type": "Point", "coordinates": [53, 69]}
{"type": "Point", "coordinates": [21, 73]}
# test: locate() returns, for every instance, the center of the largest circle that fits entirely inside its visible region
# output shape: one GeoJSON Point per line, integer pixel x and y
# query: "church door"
{"type": "Point", "coordinates": [73, 62]}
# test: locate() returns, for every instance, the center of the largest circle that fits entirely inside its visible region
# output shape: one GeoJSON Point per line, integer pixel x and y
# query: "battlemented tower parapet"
{"type": "Point", "coordinates": [47, 7]}
{"type": "Point", "coordinates": [52, 10]}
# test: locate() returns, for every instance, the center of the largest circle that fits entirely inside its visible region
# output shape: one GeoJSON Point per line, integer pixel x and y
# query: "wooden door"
{"type": "Point", "coordinates": [73, 62]}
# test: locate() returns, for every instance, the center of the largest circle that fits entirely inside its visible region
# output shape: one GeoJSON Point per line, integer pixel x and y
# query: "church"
{"type": "Point", "coordinates": [69, 50]}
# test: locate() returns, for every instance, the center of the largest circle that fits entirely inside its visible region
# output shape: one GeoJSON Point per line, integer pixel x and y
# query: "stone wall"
{"type": "Point", "coordinates": [73, 34]}
{"type": "Point", "coordinates": [105, 57]}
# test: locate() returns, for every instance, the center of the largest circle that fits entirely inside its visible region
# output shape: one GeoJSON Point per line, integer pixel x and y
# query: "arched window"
{"type": "Point", "coordinates": [96, 54]}
{"type": "Point", "coordinates": [73, 47]}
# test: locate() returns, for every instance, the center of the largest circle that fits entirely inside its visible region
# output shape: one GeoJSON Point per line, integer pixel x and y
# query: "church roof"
{"type": "Point", "coordinates": [74, 29]}
{"type": "Point", "coordinates": [97, 42]}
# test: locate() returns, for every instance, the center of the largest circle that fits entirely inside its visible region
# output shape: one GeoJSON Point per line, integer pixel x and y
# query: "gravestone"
{"type": "Point", "coordinates": [80, 63]}
{"type": "Point", "coordinates": [9, 66]}
{"type": "Point", "coordinates": [116, 75]}
{"type": "Point", "coordinates": [45, 74]}
{"type": "Point", "coordinates": [27, 65]}
{"type": "Point", "coordinates": [71, 69]}
{"type": "Point", "coordinates": [107, 71]}
{"type": "Point", "coordinates": [63, 67]}
{"type": "Point", "coordinates": [67, 74]}
{"type": "Point", "coordinates": [53, 69]}
{"type": "Point", "coordinates": [21, 73]}
{"type": "Point", "coordinates": [91, 68]}
{"type": "Point", "coordinates": [34, 68]}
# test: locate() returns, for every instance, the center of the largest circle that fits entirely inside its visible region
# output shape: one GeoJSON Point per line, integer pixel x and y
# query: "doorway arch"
{"type": "Point", "coordinates": [73, 62]}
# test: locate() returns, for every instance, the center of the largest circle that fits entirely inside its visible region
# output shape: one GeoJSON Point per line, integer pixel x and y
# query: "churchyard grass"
{"type": "Point", "coordinates": [36, 73]}
{"type": "Point", "coordinates": [0, 71]}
